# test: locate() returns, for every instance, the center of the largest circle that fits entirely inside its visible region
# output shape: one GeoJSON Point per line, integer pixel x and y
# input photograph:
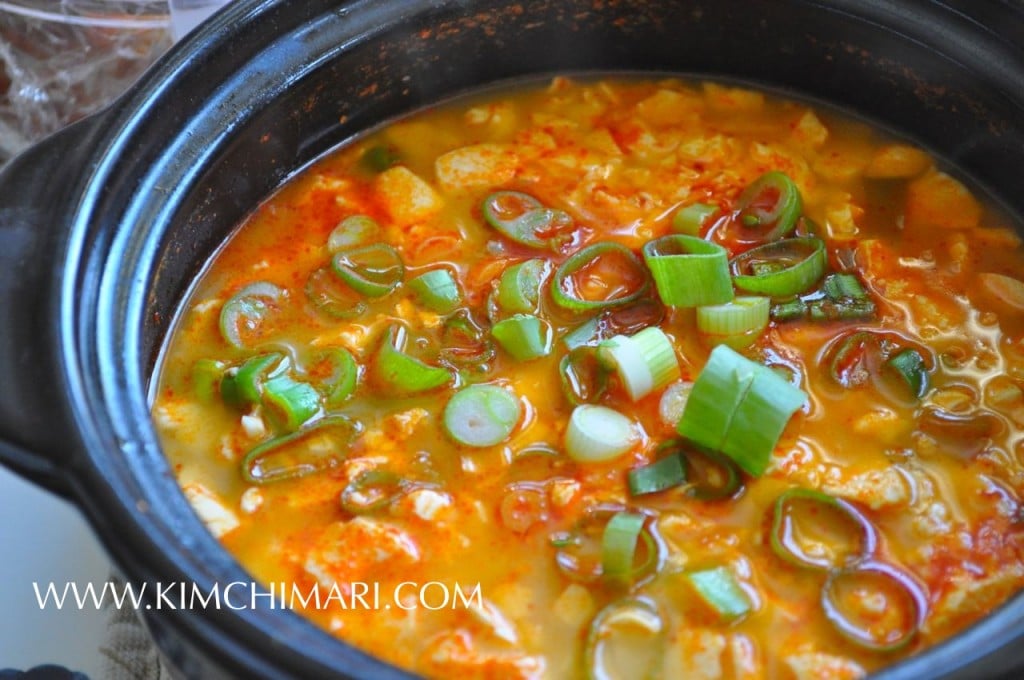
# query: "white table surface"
{"type": "Point", "coordinates": [45, 539]}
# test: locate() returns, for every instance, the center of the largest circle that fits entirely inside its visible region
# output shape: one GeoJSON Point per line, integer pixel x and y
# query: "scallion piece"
{"type": "Point", "coordinates": [481, 415]}
{"type": "Point", "coordinates": [379, 158]}
{"type": "Point", "coordinates": [906, 606]}
{"type": "Point", "coordinates": [692, 218]}
{"type": "Point", "coordinates": [314, 448]}
{"type": "Point", "coordinates": [337, 373]}
{"type": "Point", "coordinates": [332, 297]}
{"type": "Point", "coordinates": [737, 323]}
{"type": "Point", "coordinates": [843, 286]}
{"type": "Point", "coordinates": [399, 373]}
{"type": "Point", "coordinates": [374, 270]}
{"type": "Point", "coordinates": [244, 387]}
{"type": "Point", "coordinates": [206, 378]}
{"type": "Point", "coordinates": [598, 433]}
{"type": "Point", "coordinates": [619, 285]}
{"type": "Point", "coordinates": [619, 544]}
{"type": "Point", "coordinates": [815, 530]}
{"type": "Point", "coordinates": [437, 290]}
{"type": "Point", "coordinates": [355, 230]}
{"type": "Point", "coordinates": [740, 408]}
{"type": "Point", "coordinates": [910, 365]}
{"type": "Point", "coordinates": [780, 269]}
{"type": "Point", "coordinates": [644, 363]}
{"type": "Point", "coordinates": [523, 336]}
{"type": "Point", "coordinates": [289, 403]}
{"type": "Point", "coordinates": [464, 344]}
{"type": "Point", "coordinates": [771, 205]}
{"type": "Point", "coordinates": [663, 474]}
{"type": "Point", "coordinates": [242, 316]}
{"type": "Point", "coordinates": [689, 271]}
{"type": "Point", "coordinates": [584, 378]}
{"type": "Point", "coordinates": [372, 490]}
{"type": "Point", "coordinates": [626, 639]}
{"type": "Point", "coordinates": [519, 286]}
{"type": "Point", "coordinates": [525, 220]}
{"type": "Point", "coordinates": [719, 590]}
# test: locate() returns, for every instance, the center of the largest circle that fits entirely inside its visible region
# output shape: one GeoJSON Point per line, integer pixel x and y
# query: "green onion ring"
{"type": "Point", "coordinates": [563, 293]}
{"type": "Point", "coordinates": [914, 598]}
{"type": "Point", "coordinates": [636, 612]}
{"type": "Point", "coordinates": [384, 485]}
{"type": "Point", "coordinates": [313, 448]}
{"type": "Point", "coordinates": [246, 311]}
{"type": "Point", "coordinates": [784, 543]}
{"type": "Point", "coordinates": [801, 261]}
{"type": "Point", "coordinates": [781, 216]}
{"type": "Point", "coordinates": [584, 378]}
{"type": "Point", "coordinates": [532, 224]}
{"type": "Point", "coordinates": [689, 271]}
{"type": "Point", "coordinates": [374, 270]}
{"type": "Point", "coordinates": [331, 296]}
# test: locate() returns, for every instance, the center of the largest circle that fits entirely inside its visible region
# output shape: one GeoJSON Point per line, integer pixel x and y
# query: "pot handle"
{"type": "Point", "coordinates": [37, 437]}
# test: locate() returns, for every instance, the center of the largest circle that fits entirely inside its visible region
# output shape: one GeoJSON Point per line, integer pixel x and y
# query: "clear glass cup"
{"type": "Point", "coordinates": [61, 60]}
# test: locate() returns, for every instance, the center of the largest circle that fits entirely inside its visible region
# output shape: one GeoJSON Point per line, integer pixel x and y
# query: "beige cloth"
{"type": "Point", "coordinates": [129, 653]}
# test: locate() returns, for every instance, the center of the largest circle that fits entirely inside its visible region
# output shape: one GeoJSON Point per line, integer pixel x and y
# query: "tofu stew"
{"type": "Point", "coordinates": [614, 379]}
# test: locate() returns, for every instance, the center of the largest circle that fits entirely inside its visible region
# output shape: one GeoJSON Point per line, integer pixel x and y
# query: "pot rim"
{"type": "Point", "coordinates": [145, 522]}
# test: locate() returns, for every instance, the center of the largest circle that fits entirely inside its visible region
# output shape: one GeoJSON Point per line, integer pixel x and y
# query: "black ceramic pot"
{"type": "Point", "coordinates": [103, 226]}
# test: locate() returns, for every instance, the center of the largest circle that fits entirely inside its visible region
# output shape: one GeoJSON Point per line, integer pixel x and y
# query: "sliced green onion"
{"type": "Point", "coordinates": [338, 374]}
{"type": "Point", "coordinates": [374, 270]}
{"type": "Point", "coordinates": [892, 629]}
{"type": "Point", "coordinates": [625, 320]}
{"type": "Point", "coordinates": [243, 314]}
{"type": "Point", "coordinates": [207, 375]}
{"type": "Point", "coordinates": [856, 357]}
{"type": "Point", "coordinates": [826, 310]}
{"type": "Point", "coordinates": [692, 218]}
{"type": "Point", "coordinates": [379, 158]}
{"type": "Point", "coordinates": [666, 473]}
{"type": "Point", "coordinates": [464, 344]}
{"type": "Point", "coordinates": [689, 271]}
{"type": "Point", "coordinates": [910, 365]}
{"type": "Point", "coordinates": [580, 550]}
{"type": "Point", "coordinates": [781, 268]}
{"type": "Point", "coordinates": [619, 544]}
{"type": "Point", "coordinates": [814, 530]}
{"type": "Point", "coordinates": [710, 476]}
{"type": "Point", "coordinates": [584, 378]}
{"type": "Point", "coordinates": [244, 386]}
{"type": "Point", "coordinates": [519, 286]}
{"type": "Point", "coordinates": [644, 363]}
{"type": "Point", "coordinates": [569, 294]}
{"type": "Point", "coordinates": [355, 230]}
{"type": "Point", "coordinates": [437, 290]}
{"type": "Point", "coordinates": [770, 205]}
{"type": "Point", "coordinates": [740, 408]}
{"type": "Point", "coordinates": [843, 286]}
{"type": "Point", "coordinates": [372, 490]}
{"type": "Point", "coordinates": [720, 591]}
{"type": "Point", "coordinates": [481, 415]}
{"type": "Point", "coordinates": [289, 403]}
{"type": "Point", "coordinates": [331, 296]}
{"type": "Point", "coordinates": [525, 220]}
{"type": "Point", "coordinates": [627, 639]}
{"type": "Point", "coordinates": [314, 448]}
{"type": "Point", "coordinates": [400, 373]}
{"type": "Point", "coordinates": [789, 310]}
{"type": "Point", "coordinates": [524, 336]}
{"type": "Point", "coordinates": [736, 324]}
{"type": "Point", "coordinates": [598, 433]}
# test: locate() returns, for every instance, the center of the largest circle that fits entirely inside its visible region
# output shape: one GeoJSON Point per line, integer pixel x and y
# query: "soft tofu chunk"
{"type": "Point", "coordinates": [456, 654]}
{"type": "Point", "coordinates": [809, 131]}
{"type": "Point", "coordinates": [821, 666]}
{"type": "Point", "coordinates": [936, 200]}
{"type": "Point", "coordinates": [698, 655]}
{"type": "Point", "coordinates": [211, 509]}
{"type": "Point", "coordinates": [360, 549]}
{"type": "Point", "coordinates": [875, 488]}
{"type": "Point", "coordinates": [476, 166]}
{"type": "Point", "coordinates": [407, 198]}
{"type": "Point", "coordinates": [897, 161]}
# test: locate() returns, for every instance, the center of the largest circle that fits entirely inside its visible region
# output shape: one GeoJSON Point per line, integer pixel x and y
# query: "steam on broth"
{"type": "Point", "coordinates": [620, 379]}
